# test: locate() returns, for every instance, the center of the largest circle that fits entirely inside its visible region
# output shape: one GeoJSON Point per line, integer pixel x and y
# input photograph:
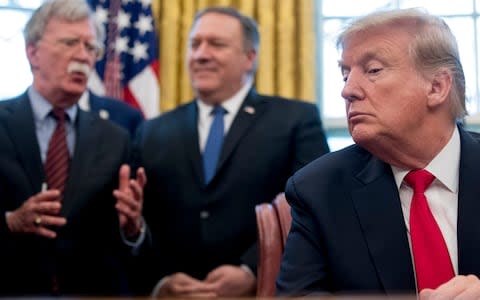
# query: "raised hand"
{"type": "Point", "coordinates": [129, 197]}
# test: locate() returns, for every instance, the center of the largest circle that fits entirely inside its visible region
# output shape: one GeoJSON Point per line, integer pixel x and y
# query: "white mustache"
{"type": "Point", "coordinates": [79, 67]}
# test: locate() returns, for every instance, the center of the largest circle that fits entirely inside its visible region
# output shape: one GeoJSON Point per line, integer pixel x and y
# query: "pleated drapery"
{"type": "Point", "coordinates": [287, 46]}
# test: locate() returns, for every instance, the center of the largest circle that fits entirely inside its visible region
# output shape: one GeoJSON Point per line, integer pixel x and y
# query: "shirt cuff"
{"type": "Point", "coordinates": [158, 286]}
{"type": "Point", "coordinates": [135, 245]}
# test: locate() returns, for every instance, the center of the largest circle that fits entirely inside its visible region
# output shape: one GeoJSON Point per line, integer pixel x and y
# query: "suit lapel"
{"type": "Point", "coordinates": [468, 229]}
{"type": "Point", "coordinates": [21, 123]}
{"type": "Point", "coordinates": [190, 140]}
{"type": "Point", "coordinates": [380, 214]}
{"type": "Point", "coordinates": [250, 111]}
{"type": "Point", "coordinates": [94, 102]}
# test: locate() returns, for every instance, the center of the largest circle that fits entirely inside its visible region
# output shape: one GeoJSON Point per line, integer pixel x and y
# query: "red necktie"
{"type": "Point", "coordinates": [56, 165]}
{"type": "Point", "coordinates": [433, 265]}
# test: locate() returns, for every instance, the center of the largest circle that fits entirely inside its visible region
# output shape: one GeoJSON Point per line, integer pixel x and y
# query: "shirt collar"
{"type": "Point", "coordinates": [232, 104]}
{"type": "Point", "coordinates": [445, 166]}
{"type": "Point", "coordinates": [84, 102]}
{"type": "Point", "coordinates": [41, 107]}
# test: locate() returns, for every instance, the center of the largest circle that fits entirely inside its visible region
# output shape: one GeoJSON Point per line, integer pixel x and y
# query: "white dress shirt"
{"type": "Point", "coordinates": [442, 194]}
{"type": "Point", "coordinates": [205, 118]}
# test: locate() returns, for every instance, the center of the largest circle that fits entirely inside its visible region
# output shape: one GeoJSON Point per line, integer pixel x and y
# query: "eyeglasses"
{"type": "Point", "coordinates": [71, 44]}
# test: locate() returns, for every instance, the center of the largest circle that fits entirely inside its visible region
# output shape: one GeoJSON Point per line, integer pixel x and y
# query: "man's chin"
{"type": "Point", "coordinates": [75, 88]}
{"type": "Point", "coordinates": [205, 89]}
{"type": "Point", "coordinates": [74, 93]}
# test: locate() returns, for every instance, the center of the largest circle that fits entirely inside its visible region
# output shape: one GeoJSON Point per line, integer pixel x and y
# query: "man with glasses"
{"type": "Point", "coordinates": [70, 216]}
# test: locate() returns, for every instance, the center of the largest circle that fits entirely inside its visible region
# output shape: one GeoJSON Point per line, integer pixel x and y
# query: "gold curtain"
{"type": "Point", "coordinates": [287, 46]}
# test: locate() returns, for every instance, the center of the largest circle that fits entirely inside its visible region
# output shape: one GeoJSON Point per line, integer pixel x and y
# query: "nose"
{"type": "Point", "coordinates": [82, 54]}
{"type": "Point", "coordinates": [352, 90]}
{"type": "Point", "coordinates": [201, 52]}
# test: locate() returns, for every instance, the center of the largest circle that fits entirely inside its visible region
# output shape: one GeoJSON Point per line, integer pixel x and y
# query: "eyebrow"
{"type": "Point", "coordinates": [368, 56]}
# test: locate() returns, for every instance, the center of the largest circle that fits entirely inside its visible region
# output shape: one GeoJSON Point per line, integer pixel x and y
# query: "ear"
{"type": "Point", "coordinates": [252, 58]}
{"type": "Point", "coordinates": [31, 50]}
{"type": "Point", "coordinates": [441, 84]}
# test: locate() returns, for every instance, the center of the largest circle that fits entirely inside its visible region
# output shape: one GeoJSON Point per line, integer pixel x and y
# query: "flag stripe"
{"type": "Point", "coordinates": [130, 69]}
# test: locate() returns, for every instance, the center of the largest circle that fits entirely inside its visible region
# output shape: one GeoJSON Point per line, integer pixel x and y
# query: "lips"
{"type": "Point", "coordinates": [78, 77]}
{"type": "Point", "coordinates": [353, 114]}
{"type": "Point", "coordinates": [356, 116]}
{"type": "Point", "coordinates": [204, 70]}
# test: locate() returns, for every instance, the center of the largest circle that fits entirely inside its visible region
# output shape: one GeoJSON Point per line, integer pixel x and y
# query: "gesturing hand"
{"type": "Point", "coordinates": [37, 214]}
{"type": "Point", "coordinates": [129, 197]}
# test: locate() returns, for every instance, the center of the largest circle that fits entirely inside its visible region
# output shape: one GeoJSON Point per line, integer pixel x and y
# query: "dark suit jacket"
{"type": "Point", "coordinates": [348, 232]}
{"type": "Point", "coordinates": [87, 255]}
{"type": "Point", "coordinates": [119, 112]}
{"type": "Point", "coordinates": [196, 227]}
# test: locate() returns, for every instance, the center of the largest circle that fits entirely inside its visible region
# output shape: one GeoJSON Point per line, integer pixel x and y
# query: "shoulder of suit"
{"type": "Point", "coordinates": [291, 102]}
{"type": "Point", "coordinates": [13, 101]}
{"type": "Point", "coordinates": [171, 119]}
{"type": "Point", "coordinates": [116, 104]}
{"type": "Point", "coordinates": [11, 104]}
{"type": "Point", "coordinates": [291, 107]}
{"type": "Point", "coordinates": [349, 159]}
{"type": "Point", "coordinates": [100, 123]}
{"type": "Point", "coordinates": [181, 110]}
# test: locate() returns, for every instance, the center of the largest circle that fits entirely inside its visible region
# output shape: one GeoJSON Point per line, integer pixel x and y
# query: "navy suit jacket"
{"type": "Point", "coordinates": [88, 255]}
{"type": "Point", "coordinates": [119, 112]}
{"type": "Point", "coordinates": [348, 232]}
{"type": "Point", "coordinates": [196, 228]}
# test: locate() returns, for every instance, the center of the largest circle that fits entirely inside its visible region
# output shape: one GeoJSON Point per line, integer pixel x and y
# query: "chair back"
{"type": "Point", "coordinates": [273, 223]}
{"type": "Point", "coordinates": [284, 215]}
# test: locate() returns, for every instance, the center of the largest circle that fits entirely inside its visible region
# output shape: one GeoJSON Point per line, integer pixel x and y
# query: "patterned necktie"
{"type": "Point", "coordinates": [214, 144]}
{"type": "Point", "coordinates": [58, 158]}
{"type": "Point", "coordinates": [433, 265]}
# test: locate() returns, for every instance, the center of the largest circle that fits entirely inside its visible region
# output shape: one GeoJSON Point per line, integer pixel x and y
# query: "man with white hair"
{"type": "Point", "coordinates": [396, 213]}
{"type": "Point", "coordinates": [70, 216]}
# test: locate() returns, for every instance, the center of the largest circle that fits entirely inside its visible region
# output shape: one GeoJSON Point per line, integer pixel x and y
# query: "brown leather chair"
{"type": "Point", "coordinates": [273, 223]}
{"type": "Point", "coordinates": [284, 215]}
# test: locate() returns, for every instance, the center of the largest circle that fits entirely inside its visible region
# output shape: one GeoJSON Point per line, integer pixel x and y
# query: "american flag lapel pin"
{"type": "Point", "coordinates": [103, 114]}
{"type": "Point", "coordinates": [249, 110]}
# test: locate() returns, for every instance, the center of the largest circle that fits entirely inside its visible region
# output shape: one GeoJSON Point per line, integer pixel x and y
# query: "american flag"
{"type": "Point", "coordinates": [129, 69]}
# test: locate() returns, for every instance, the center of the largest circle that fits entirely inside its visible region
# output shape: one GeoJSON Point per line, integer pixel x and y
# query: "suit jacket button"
{"type": "Point", "coordinates": [204, 214]}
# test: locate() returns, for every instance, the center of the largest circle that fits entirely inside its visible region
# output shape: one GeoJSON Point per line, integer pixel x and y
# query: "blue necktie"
{"type": "Point", "coordinates": [214, 144]}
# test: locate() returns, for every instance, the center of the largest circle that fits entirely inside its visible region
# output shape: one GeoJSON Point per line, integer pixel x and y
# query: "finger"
{"type": "Point", "coordinates": [206, 295]}
{"type": "Point", "coordinates": [49, 208]}
{"type": "Point", "coordinates": [49, 195]}
{"type": "Point", "coordinates": [193, 289]}
{"type": "Point", "coordinates": [47, 220]}
{"type": "Point", "coordinates": [453, 287]}
{"type": "Point", "coordinates": [45, 232]}
{"type": "Point", "coordinates": [472, 292]}
{"type": "Point", "coordinates": [425, 294]}
{"type": "Point", "coordinates": [137, 190]}
{"type": "Point", "coordinates": [125, 211]}
{"type": "Point", "coordinates": [202, 287]}
{"type": "Point", "coordinates": [123, 177]}
{"type": "Point", "coordinates": [141, 177]}
{"type": "Point", "coordinates": [181, 278]}
{"type": "Point", "coordinates": [126, 203]}
{"type": "Point", "coordinates": [214, 275]}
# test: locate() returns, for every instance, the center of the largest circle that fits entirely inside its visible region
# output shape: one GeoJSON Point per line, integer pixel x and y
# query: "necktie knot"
{"type": "Point", "coordinates": [218, 111]}
{"type": "Point", "coordinates": [419, 180]}
{"type": "Point", "coordinates": [58, 114]}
